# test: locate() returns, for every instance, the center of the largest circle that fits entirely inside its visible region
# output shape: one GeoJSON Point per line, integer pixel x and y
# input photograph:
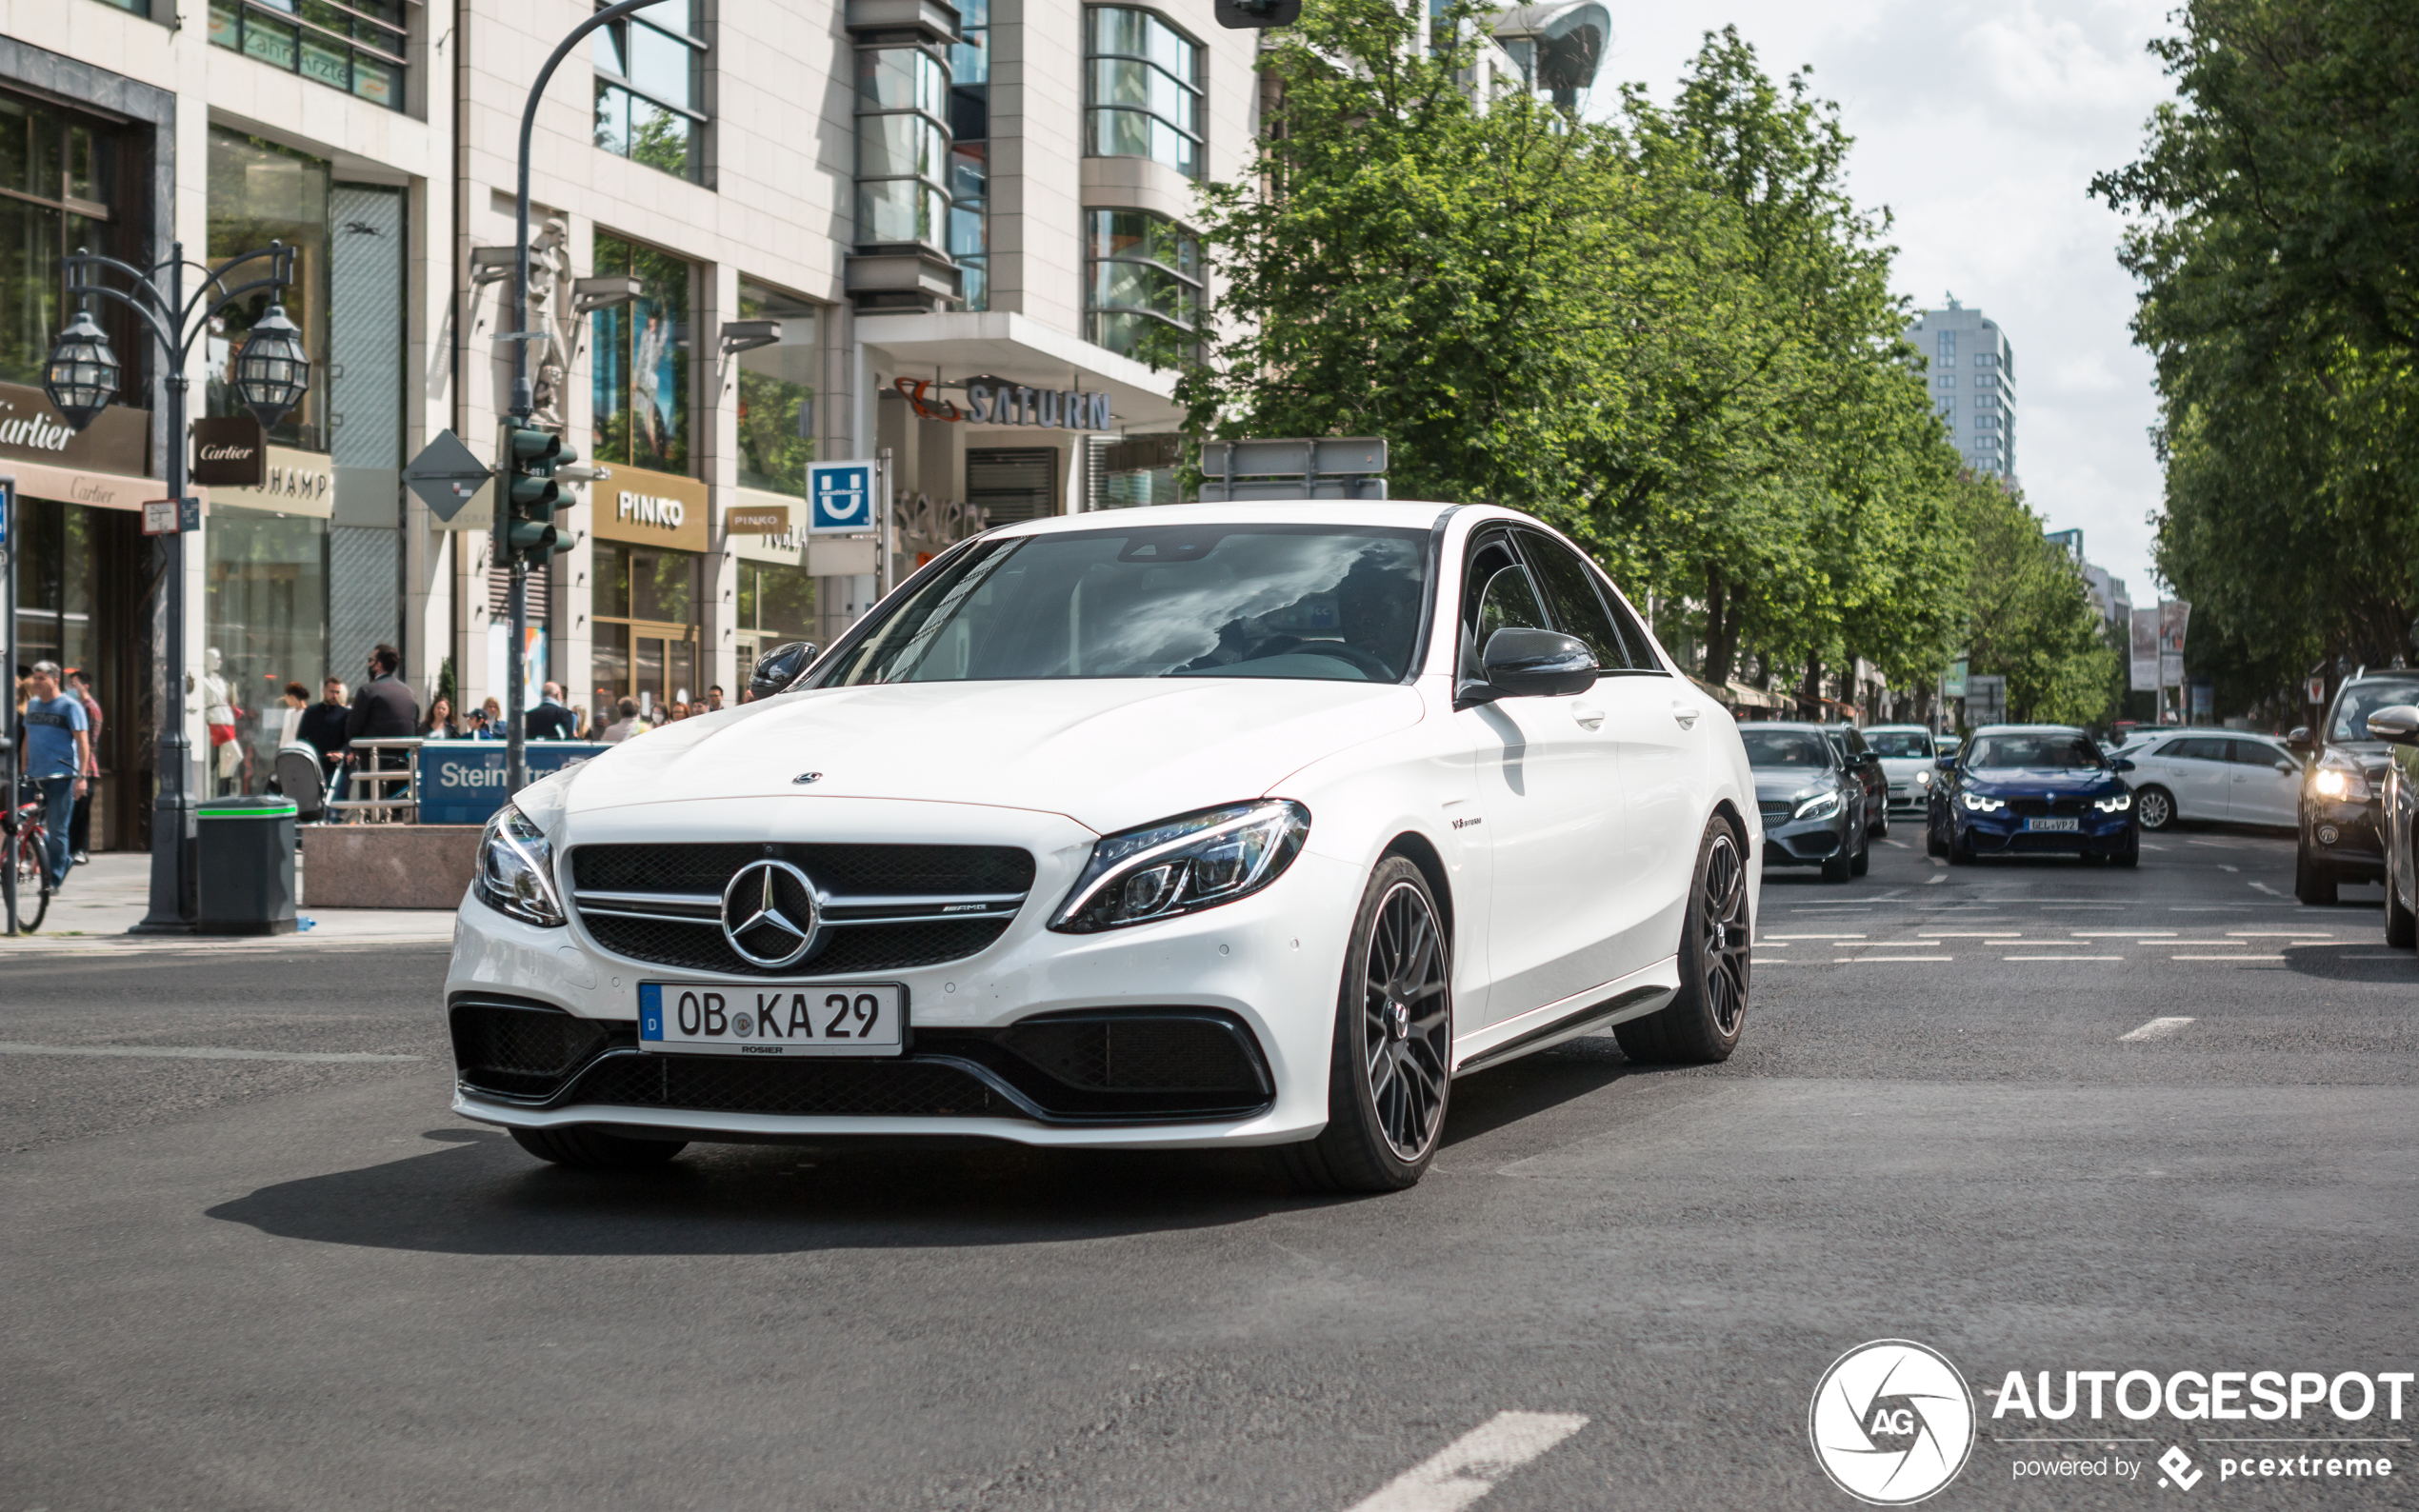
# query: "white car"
{"type": "Point", "coordinates": [1235, 825]}
{"type": "Point", "coordinates": [1907, 752]}
{"type": "Point", "coordinates": [2215, 774]}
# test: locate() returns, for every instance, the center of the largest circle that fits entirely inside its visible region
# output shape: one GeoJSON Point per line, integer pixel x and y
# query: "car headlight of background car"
{"type": "Point", "coordinates": [1183, 864]}
{"type": "Point", "coordinates": [1923, 778]}
{"type": "Point", "coordinates": [1980, 804]}
{"type": "Point", "coordinates": [515, 873]}
{"type": "Point", "coordinates": [2339, 776]}
{"type": "Point", "coordinates": [2114, 804]}
{"type": "Point", "coordinates": [1816, 806]}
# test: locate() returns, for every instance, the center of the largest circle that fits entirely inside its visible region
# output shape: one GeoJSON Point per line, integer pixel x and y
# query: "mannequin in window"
{"type": "Point", "coordinates": [219, 714]}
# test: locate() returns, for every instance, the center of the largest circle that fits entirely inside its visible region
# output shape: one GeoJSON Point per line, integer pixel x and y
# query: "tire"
{"type": "Point", "coordinates": [1879, 828]}
{"type": "Point", "coordinates": [1839, 867]}
{"type": "Point", "coordinates": [2156, 807]}
{"type": "Point", "coordinates": [584, 1147]}
{"type": "Point", "coordinates": [34, 886]}
{"type": "Point", "coordinates": [1933, 844]}
{"type": "Point", "coordinates": [2402, 925]}
{"type": "Point", "coordinates": [1703, 1022]}
{"type": "Point", "coordinates": [1390, 1077]}
{"type": "Point", "coordinates": [1863, 861]}
{"type": "Point", "coordinates": [2132, 854]}
{"type": "Point", "coordinates": [1960, 854]}
{"type": "Point", "coordinates": [2313, 880]}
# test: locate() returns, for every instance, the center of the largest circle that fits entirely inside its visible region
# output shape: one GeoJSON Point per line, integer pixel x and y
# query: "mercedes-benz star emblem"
{"type": "Point", "coordinates": [804, 778]}
{"type": "Point", "coordinates": [768, 913]}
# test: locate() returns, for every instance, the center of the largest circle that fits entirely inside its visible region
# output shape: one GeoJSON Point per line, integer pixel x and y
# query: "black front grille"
{"type": "Point", "coordinates": [1137, 1054]}
{"type": "Point", "coordinates": [1771, 810]}
{"type": "Point", "coordinates": [859, 948]}
{"type": "Point", "coordinates": [521, 1049]}
{"type": "Point", "coordinates": [711, 1084]}
{"type": "Point", "coordinates": [855, 869]}
{"type": "Point", "coordinates": [2048, 808]}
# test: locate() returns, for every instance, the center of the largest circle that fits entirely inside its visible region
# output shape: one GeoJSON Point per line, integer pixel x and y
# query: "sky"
{"type": "Point", "coordinates": [1979, 125]}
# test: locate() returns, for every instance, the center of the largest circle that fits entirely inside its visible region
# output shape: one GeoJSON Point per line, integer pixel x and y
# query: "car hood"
{"type": "Point", "coordinates": [1779, 785]}
{"type": "Point", "coordinates": [2039, 780]}
{"type": "Point", "coordinates": [1109, 753]}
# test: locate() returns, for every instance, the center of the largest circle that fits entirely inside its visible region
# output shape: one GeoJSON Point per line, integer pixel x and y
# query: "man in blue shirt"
{"type": "Point", "coordinates": [57, 747]}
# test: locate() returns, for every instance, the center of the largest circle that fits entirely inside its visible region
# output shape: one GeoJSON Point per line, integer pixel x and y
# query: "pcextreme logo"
{"type": "Point", "coordinates": [1893, 1422]}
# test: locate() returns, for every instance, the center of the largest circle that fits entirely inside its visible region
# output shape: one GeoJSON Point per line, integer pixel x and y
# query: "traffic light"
{"type": "Point", "coordinates": [532, 495]}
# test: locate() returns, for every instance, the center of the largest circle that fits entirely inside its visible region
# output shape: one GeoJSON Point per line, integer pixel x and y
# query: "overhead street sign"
{"type": "Point", "coordinates": [445, 475]}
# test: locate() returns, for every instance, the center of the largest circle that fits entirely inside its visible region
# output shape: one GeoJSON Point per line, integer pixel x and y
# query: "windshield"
{"type": "Point", "coordinates": [2072, 752]}
{"type": "Point", "coordinates": [1341, 603]}
{"type": "Point", "coordinates": [1785, 748]}
{"type": "Point", "coordinates": [1896, 745]}
{"type": "Point", "coordinates": [2356, 702]}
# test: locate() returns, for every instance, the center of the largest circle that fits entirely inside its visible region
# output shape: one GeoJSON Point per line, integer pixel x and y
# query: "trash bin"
{"type": "Point", "coordinates": [246, 865]}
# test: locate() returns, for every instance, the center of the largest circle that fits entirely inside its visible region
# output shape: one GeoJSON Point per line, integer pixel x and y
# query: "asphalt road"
{"type": "Point", "coordinates": [244, 1282]}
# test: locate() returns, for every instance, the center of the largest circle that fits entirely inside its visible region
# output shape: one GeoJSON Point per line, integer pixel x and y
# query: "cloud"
{"type": "Point", "coordinates": [1980, 125]}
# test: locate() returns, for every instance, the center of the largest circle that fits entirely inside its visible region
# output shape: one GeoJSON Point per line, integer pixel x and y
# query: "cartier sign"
{"type": "Point", "coordinates": [118, 440]}
{"type": "Point", "coordinates": [229, 452]}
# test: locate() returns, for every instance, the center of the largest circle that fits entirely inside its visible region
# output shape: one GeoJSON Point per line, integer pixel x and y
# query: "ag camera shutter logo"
{"type": "Point", "coordinates": [1893, 1422]}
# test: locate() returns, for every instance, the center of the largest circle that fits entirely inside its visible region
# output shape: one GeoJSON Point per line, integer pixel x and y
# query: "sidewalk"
{"type": "Point", "coordinates": [111, 894]}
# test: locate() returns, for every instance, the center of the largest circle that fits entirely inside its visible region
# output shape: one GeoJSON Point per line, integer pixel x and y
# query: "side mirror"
{"type": "Point", "coordinates": [779, 667]}
{"type": "Point", "coordinates": [1537, 664]}
{"type": "Point", "coordinates": [2123, 763]}
{"type": "Point", "coordinates": [2397, 725]}
{"type": "Point", "coordinates": [1947, 764]}
{"type": "Point", "coordinates": [2299, 738]}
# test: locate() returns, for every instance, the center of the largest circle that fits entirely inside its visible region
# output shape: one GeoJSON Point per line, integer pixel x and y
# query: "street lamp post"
{"type": "Point", "coordinates": [271, 373]}
{"type": "Point", "coordinates": [516, 771]}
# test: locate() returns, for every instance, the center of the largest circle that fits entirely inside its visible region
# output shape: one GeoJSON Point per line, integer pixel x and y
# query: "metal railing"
{"type": "Point", "coordinates": [384, 806]}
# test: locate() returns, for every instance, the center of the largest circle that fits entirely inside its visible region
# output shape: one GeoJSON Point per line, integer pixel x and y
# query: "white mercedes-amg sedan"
{"type": "Point", "coordinates": [1202, 825]}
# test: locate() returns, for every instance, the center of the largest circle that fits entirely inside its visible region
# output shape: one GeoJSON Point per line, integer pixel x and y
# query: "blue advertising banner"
{"type": "Point", "coordinates": [841, 494]}
{"type": "Point", "coordinates": [462, 781]}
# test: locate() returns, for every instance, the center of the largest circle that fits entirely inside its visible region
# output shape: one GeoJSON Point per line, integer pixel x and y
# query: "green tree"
{"type": "Point", "coordinates": [2030, 616]}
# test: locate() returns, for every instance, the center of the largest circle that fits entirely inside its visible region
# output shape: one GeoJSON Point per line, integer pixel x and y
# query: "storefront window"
{"type": "Point", "coordinates": [264, 624]}
{"type": "Point", "coordinates": [776, 601]}
{"type": "Point", "coordinates": [1145, 90]}
{"type": "Point", "coordinates": [261, 193]}
{"type": "Point", "coordinates": [55, 587]}
{"type": "Point", "coordinates": [1146, 273]}
{"type": "Point", "coordinates": [56, 190]}
{"type": "Point", "coordinates": [642, 361]}
{"type": "Point", "coordinates": [645, 639]}
{"type": "Point", "coordinates": [776, 394]}
{"type": "Point", "coordinates": [356, 46]}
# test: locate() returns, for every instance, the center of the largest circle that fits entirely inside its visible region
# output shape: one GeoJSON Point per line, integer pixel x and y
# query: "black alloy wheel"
{"type": "Point", "coordinates": [2156, 807]}
{"type": "Point", "coordinates": [2401, 924]}
{"type": "Point", "coordinates": [1705, 1017]}
{"type": "Point", "coordinates": [1390, 1076]}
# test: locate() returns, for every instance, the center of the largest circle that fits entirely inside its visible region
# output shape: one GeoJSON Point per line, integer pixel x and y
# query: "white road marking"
{"type": "Point", "coordinates": [2273, 934]}
{"type": "Point", "coordinates": [1468, 1467]}
{"type": "Point", "coordinates": [2156, 1029]}
{"type": "Point", "coordinates": [2266, 889]}
{"type": "Point", "coordinates": [1899, 844]}
{"type": "Point", "coordinates": [1813, 937]}
{"type": "Point", "coordinates": [1938, 861]}
{"type": "Point", "coordinates": [2213, 844]}
{"type": "Point", "coordinates": [2223, 867]}
{"type": "Point", "coordinates": [2225, 957]}
{"type": "Point", "coordinates": [2121, 934]}
{"type": "Point", "coordinates": [1936, 880]}
{"type": "Point", "coordinates": [1839, 960]}
{"type": "Point", "coordinates": [194, 1052]}
{"type": "Point", "coordinates": [2062, 957]}
{"type": "Point", "coordinates": [1971, 934]}
{"type": "Point", "coordinates": [2147, 845]}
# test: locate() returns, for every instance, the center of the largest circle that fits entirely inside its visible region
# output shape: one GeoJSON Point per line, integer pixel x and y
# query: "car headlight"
{"type": "Point", "coordinates": [1923, 778]}
{"type": "Point", "coordinates": [1821, 805]}
{"type": "Point", "coordinates": [1183, 864]}
{"type": "Point", "coordinates": [2339, 776]}
{"type": "Point", "coordinates": [1981, 805]}
{"type": "Point", "coordinates": [516, 869]}
{"type": "Point", "coordinates": [2114, 804]}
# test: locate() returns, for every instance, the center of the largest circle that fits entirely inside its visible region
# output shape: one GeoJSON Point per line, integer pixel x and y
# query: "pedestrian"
{"type": "Point", "coordinates": [550, 719]}
{"type": "Point", "coordinates": [440, 725]}
{"type": "Point", "coordinates": [490, 721]}
{"type": "Point", "coordinates": [624, 727]}
{"type": "Point", "coordinates": [57, 747]}
{"type": "Point", "coordinates": [713, 699]}
{"type": "Point", "coordinates": [291, 707]}
{"type": "Point", "coordinates": [322, 728]}
{"type": "Point", "coordinates": [382, 710]}
{"type": "Point", "coordinates": [80, 831]}
{"type": "Point", "coordinates": [579, 722]}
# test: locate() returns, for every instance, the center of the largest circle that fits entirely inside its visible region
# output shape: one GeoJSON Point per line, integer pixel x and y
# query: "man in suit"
{"type": "Point", "coordinates": [382, 708]}
{"type": "Point", "coordinates": [550, 719]}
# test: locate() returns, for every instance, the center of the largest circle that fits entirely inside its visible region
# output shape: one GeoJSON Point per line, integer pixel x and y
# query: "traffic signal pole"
{"type": "Point", "coordinates": [516, 764]}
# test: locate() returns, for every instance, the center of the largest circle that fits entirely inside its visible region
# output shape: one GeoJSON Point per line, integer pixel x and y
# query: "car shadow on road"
{"type": "Point", "coordinates": [1535, 1084]}
{"type": "Point", "coordinates": [2366, 961]}
{"type": "Point", "coordinates": [481, 1195]}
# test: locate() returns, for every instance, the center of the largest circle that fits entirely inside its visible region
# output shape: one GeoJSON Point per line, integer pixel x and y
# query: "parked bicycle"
{"type": "Point", "coordinates": [27, 840]}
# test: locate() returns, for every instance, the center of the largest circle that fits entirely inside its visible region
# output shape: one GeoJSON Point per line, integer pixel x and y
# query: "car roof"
{"type": "Point", "coordinates": [1401, 515]}
{"type": "Point", "coordinates": [2030, 730]}
{"type": "Point", "coordinates": [1920, 729]}
{"type": "Point", "coordinates": [1804, 727]}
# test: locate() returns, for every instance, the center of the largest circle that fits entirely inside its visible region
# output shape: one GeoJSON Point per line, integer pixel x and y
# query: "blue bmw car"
{"type": "Point", "coordinates": [2022, 789]}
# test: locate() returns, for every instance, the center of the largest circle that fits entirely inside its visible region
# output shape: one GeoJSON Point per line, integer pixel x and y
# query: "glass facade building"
{"type": "Point", "coordinates": [1145, 83]}
{"type": "Point", "coordinates": [651, 70]}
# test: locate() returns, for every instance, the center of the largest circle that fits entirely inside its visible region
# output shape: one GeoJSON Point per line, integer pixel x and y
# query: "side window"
{"type": "Point", "coordinates": [2255, 753]}
{"type": "Point", "coordinates": [1570, 592]}
{"type": "Point", "coordinates": [1496, 593]}
{"type": "Point", "coordinates": [2201, 748]}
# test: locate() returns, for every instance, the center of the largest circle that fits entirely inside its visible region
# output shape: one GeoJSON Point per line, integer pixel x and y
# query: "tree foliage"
{"type": "Point", "coordinates": [2277, 206]}
{"type": "Point", "coordinates": [2030, 613]}
{"type": "Point", "coordinates": [1671, 333]}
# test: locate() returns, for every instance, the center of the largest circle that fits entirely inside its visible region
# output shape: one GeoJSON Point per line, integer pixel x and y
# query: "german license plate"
{"type": "Point", "coordinates": [2064, 825]}
{"type": "Point", "coordinates": [773, 1018]}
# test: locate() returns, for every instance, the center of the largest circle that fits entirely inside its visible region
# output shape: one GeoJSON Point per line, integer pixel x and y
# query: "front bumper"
{"type": "Point", "coordinates": [1269, 963]}
{"type": "Point", "coordinates": [1805, 841]}
{"type": "Point", "coordinates": [2004, 834]}
{"type": "Point", "coordinates": [2356, 851]}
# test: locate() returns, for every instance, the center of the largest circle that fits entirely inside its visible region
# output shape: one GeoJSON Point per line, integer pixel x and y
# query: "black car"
{"type": "Point", "coordinates": [2343, 785]}
{"type": "Point", "coordinates": [1813, 801]}
{"type": "Point", "coordinates": [2017, 789]}
{"type": "Point", "coordinates": [2397, 725]}
{"type": "Point", "coordinates": [1866, 762]}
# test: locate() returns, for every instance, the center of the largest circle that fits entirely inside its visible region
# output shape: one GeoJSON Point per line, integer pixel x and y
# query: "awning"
{"type": "Point", "coordinates": [1001, 344]}
{"type": "Point", "coordinates": [101, 491]}
{"type": "Point", "coordinates": [1736, 694]}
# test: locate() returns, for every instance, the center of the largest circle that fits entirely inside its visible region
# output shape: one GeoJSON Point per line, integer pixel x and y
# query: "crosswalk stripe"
{"type": "Point", "coordinates": [1468, 1467]}
{"type": "Point", "coordinates": [2156, 1029]}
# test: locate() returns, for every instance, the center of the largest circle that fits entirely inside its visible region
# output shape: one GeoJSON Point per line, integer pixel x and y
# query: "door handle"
{"type": "Point", "coordinates": [1686, 714]}
{"type": "Point", "coordinates": [1588, 715]}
